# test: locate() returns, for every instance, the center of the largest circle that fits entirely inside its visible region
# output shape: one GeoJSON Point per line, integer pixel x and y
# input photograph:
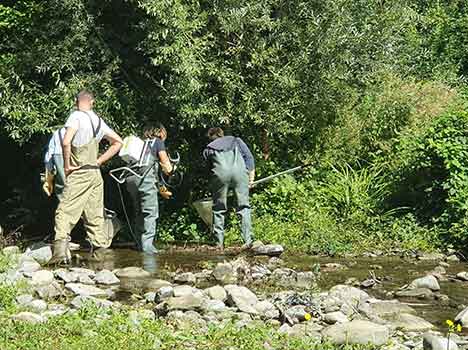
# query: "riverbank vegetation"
{"type": "Point", "coordinates": [371, 93]}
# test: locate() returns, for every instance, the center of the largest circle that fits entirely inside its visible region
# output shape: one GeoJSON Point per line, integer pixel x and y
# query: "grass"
{"type": "Point", "coordinates": [93, 330]}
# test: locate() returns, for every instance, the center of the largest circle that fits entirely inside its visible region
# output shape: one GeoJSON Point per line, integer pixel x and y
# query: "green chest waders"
{"type": "Point", "coordinates": [83, 196]}
{"type": "Point", "coordinates": [144, 195]}
{"type": "Point", "coordinates": [229, 171]}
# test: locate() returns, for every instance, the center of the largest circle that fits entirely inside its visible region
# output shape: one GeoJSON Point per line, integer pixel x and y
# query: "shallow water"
{"type": "Point", "coordinates": [394, 272]}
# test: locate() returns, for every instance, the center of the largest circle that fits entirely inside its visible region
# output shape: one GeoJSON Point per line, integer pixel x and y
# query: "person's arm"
{"type": "Point", "coordinates": [165, 162]}
{"type": "Point", "coordinates": [66, 149]}
{"type": "Point", "coordinates": [115, 146]}
{"type": "Point", "coordinates": [248, 159]}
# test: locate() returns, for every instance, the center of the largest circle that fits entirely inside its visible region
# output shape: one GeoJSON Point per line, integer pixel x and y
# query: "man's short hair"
{"type": "Point", "coordinates": [84, 95]}
{"type": "Point", "coordinates": [215, 133]}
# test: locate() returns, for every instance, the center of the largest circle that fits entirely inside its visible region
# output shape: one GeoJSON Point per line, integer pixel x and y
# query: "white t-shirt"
{"type": "Point", "coordinates": [81, 121]}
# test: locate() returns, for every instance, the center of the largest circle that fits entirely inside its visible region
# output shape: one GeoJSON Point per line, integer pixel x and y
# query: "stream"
{"type": "Point", "coordinates": [391, 272]}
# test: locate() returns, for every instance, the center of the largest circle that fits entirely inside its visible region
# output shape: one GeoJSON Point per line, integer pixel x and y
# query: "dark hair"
{"type": "Point", "coordinates": [215, 133]}
{"type": "Point", "coordinates": [154, 130]}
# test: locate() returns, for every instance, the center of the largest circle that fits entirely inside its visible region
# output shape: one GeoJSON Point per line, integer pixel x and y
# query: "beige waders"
{"type": "Point", "coordinates": [83, 194]}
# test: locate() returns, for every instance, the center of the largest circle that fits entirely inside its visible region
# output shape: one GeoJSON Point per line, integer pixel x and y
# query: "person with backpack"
{"type": "Point", "coordinates": [53, 161]}
{"type": "Point", "coordinates": [232, 166]}
{"type": "Point", "coordinates": [143, 189]}
{"type": "Point", "coordinates": [83, 194]}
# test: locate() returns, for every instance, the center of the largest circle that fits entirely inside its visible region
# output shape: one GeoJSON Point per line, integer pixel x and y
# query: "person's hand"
{"type": "Point", "coordinates": [71, 169]}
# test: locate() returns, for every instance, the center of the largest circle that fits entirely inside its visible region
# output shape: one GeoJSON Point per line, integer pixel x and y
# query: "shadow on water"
{"type": "Point", "coordinates": [392, 272]}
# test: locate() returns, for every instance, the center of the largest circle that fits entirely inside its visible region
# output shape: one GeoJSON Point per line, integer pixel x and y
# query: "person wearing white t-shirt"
{"type": "Point", "coordinates": [83, 194]}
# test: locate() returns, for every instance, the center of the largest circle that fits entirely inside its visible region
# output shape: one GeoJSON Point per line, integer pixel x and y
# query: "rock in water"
{"type": "Point", "coordinates": [348, 294]}
{"type": "Point", "coordinates": [258, 248]}
{"type": "Point", "coordinates": [29, 317]}
{"type": "Point", "coordinates": [462, 276]}
{"type": "Point", "coordinates": [225, 273]}
{"type": "Point", "coordinates": [435, 342]}
{"type": "Point", "coordinates": [106, 277]}
{"type": "Point", "coordinates": [462, 317]}
{"type": "Point", "coordinates": [357, 332]}
{"type": "Point", "coordinates": [132, 272]}
{"type": "Point", "coordinates": [428, 282]}
{"type": "Point", "coordinates": [242, 298]}
{"type": "Point", "coordinates": [421, 293]}
{"type": "Point", "coordinates": [411, 323]}
{"type": "Point", "coordinates": [42, 277]}
{"type": "Point", "coordinates": [85, 290]}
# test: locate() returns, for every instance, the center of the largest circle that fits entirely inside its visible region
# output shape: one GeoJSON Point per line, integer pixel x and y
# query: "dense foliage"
{"type": "Point", "coordinates": [372, 92]}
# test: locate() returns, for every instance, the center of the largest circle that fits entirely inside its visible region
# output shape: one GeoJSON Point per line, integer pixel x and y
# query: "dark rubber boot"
{"type": "Point", "coordinates": [61, 254]}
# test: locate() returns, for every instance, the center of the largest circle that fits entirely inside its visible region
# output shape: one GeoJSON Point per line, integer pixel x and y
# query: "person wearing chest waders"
{"type": "Point", "coordinates": [83, 193]}
{"type": "Point", "coordinates": [232, 166]}
{"type": "Point", "coordinates": [144, 190]}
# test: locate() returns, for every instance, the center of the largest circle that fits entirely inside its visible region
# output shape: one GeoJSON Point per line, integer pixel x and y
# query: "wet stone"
{"type": "Point", "coordinates": [421, 293]}
{"type": "Point", "coordinates": [463, 276]}
{"type": "Point", "coordinates": [132, 272]}
{"type": "Point", "coordinates": [427, 282]}
{"type": "Point", "coordinates": [106, 277]}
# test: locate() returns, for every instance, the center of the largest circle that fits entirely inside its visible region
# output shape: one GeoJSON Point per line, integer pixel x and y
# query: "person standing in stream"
{"type": "Point", "coordinates": [83, 194]}
{"type": "Point", "coordinates": [232, 166]}
{"type": "Point", "coordinates": [143, 190]}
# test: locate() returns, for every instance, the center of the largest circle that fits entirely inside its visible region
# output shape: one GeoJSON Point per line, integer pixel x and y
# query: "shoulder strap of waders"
{"type": "Point", "coordinates": [95, 130]}
{"type": "Point", "coordinates": [60, 137]}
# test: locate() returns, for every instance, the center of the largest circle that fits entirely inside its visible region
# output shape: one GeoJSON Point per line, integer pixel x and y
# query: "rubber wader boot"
{"type": "Point", "coordinates": [61, 253]}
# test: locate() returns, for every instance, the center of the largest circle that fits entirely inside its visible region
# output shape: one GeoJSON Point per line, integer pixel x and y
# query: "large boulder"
{"type": "Point", "coordinates": [428, 282]}
{"type": "Point", "coordinates": [224, 273]}
{"type": "Point", "coordinates": [387, 308]}
{"type": "Point", "coordinates": [156, 284]}
{"type": "Point", "coordinates": [132, 272]}
{"type": "Point", "coordinates": [86, 290]}
{"type": "Point", "coordinates": [357, 332]}
{"type": "Point", "coordinates": [335, 317]}
{"type": "Point", "coordinates": [436, 342]}
{"type": "Point", "coordinates": [242, 298]}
